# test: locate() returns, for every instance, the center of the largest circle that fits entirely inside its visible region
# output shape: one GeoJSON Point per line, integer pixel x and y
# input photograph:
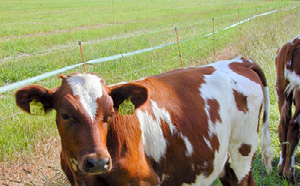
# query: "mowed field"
{"type": "Point", "coordinates": [38, 36]}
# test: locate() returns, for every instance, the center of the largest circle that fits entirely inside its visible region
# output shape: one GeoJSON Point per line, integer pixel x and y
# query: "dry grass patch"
{"type": "Point", "coordinates": [41, 167]}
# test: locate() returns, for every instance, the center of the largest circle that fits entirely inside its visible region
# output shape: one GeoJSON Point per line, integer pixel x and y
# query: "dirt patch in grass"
{"type": "Point", "coordinates": [39, 167]}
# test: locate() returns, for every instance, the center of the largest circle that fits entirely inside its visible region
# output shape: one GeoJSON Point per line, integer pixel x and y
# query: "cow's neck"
{"type": "Point", "coordinates": [125, 145]}
{"type": "Point", "coordinates": [124, 136]}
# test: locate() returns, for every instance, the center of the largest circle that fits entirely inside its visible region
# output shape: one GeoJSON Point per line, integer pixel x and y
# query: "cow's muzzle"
{"type": "Point", "coordinates": [92, 164]}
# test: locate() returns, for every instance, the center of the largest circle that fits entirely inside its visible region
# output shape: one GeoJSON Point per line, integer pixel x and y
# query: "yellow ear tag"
{"type": "Point", "coordinates": [127, 107]}
{"type": "Point", "coordinates": [36, 107]}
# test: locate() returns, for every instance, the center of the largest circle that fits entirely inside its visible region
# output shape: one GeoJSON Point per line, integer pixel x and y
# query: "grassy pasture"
{"type": "Point", "coordinates": [40, 36]}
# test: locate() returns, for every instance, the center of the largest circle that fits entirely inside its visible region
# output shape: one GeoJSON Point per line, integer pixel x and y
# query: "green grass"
{"type": "Point", "coordinates": [47, 33]}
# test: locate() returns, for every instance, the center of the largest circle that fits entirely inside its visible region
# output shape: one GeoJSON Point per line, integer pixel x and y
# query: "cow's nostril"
{"type": "Point", "coordinates": [90, 163]}
{"type": "Point", "coordinates": [96, 166]}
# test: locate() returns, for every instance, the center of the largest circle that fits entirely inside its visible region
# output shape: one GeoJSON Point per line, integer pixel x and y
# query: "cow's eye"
{"type": "Point", "coordinates": [112, 112]}
{"type": "Point", "coordinates": [65, 116]}
{"type": "Point", "coordinates": [107, 120]}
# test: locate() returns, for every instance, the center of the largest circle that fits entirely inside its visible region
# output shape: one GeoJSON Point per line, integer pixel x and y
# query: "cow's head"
{"type": "Point", "coordinates": [84, 106]}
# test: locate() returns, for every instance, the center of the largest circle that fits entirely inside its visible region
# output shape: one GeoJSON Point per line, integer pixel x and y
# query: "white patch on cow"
{"type": "Point", "coordinates": [208, 143]}
{"type": "Point", "coordinates": [152, 134]}
{"type": "Point", "coordinates": [207, 108]}
{"type": "Point", "coordinates": [162, 114]}
{"type": "Point", "coordinates": [293, 162]}
{"type": "Point", "coordinates": [188, 146]}
{"type": "Point", "coordinates": [251, 61]}
{"type": "Point", "coordinates": [89, 88]}
{"type": "Point", "coordinates": [222, 174]}
{"type": "Point", "coordinates": [294, 80]}
{"type": "Point", "coordinates": [265, 127]}
{"type": "Point", "coordinates": [293, 157]}
{"type": "Point", "coordinates": [280, 160]}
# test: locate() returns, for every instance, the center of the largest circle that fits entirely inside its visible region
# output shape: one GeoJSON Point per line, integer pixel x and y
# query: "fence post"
{"type": "Point", "coordinates": [82, 56]}
{"type": "Point", "coordinates": [178, 47]}
{"type": "Point", "coordinates": [214, 49]}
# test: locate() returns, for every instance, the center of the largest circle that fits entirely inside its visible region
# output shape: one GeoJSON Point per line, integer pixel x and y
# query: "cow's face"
{"type": "Point", "coordinates": [84, 106]}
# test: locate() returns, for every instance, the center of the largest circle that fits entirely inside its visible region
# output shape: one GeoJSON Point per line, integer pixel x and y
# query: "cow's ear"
{"type": "Point", "coordinates": [138, 94]}
{"type": "Point", "coordinates": [24, 96]}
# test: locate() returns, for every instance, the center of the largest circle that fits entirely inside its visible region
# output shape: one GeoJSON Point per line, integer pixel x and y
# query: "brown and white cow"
{"type": "Point", "coordinates": [189, 127]}
{"type": "Point", "coordinates": [287, 61]}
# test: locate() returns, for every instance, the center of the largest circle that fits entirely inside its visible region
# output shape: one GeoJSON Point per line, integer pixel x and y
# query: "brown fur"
{"type": "Point", "coordinates": [288, 129]}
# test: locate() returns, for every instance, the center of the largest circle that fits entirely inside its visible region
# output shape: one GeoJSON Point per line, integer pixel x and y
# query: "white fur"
{"type": "Point", "coordinates": [208, 143]}
{"type": "Point", "coordinates": [152, 134]}
{"type": "Point", "coordinates": [188, 145]}
{"type": "Point", "coordinates": [89, 88]}
{"type": "Point", "coordinates": [294, 81]}
{"type": "Point", "coordinates": [230, 132]}
{"type": "Point", "coordinates": [280, 161]}
{"type": "Point", "coordinates": [161, 113]}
